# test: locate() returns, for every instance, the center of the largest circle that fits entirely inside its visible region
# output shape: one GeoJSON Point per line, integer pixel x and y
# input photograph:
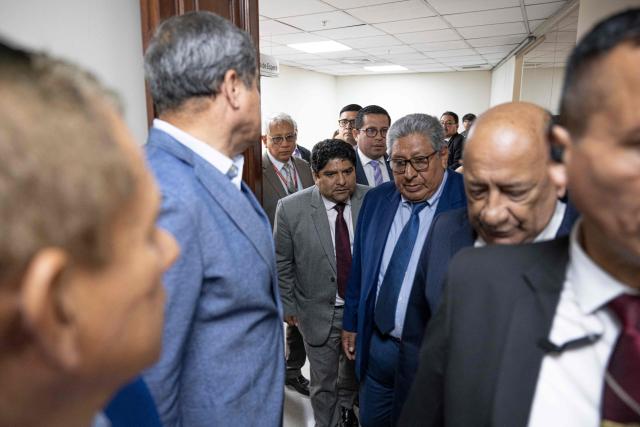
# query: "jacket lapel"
{"type": "Point", "coordinates": [531, 320]}
{"type": "Point", "coordinates": [323, 230]}
{"type": "Point", "coordinates": [361, 177]}
{"type": "Point", "coordinates": [356, 202]}
{"type": "Point", "coordinates": [269, 175]}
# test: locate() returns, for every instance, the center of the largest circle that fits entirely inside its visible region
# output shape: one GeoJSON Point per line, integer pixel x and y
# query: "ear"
{"type": "Point", "coordinates": [264, 140]}
{"type": "Point", "coordinates": [560, 152]}
{"type": "Point", "coordinates": [354, 132]}
{"type": "Point", "coordinates": [444, 156]}
{"type": "Point", "coordinates": [45, 311]}
{"type": "Point", "coordinates": [231, 88]}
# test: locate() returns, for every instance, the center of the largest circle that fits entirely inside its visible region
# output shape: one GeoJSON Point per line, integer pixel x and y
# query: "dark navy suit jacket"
{"type": "Point", "coordinates": [361, 177]}
{"type": "Point", "coordinates": [374, 222]}
{"type": "Point", "coordinates": [133, 406]}
{"type": "Point", "coordinates": [450, 232]}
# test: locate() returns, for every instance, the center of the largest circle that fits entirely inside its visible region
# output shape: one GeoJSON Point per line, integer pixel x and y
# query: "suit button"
{"type": "Point", "coordinates": [333, 279]}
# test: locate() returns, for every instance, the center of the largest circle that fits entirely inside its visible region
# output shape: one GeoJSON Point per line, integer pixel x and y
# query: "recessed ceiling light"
{"type": "Point", "coordinates": [386, 68]}
{"type": "Point", "coordinates": [319, 47]}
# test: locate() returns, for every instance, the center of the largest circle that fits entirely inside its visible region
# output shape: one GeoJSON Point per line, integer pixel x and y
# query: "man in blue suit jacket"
{"type": "Point", "coordinates": [222, 361]}
{"type": "Point", "coordinates": [393, 224]}
{"type": "Point", "coordinates": [369, 131]}
{"type": "Point", "coordinates": [511, 200]}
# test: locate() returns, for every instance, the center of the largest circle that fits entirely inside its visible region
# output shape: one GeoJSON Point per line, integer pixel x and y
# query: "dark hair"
{"type": "Point", "coordinates": [370, 109]}
{"type": "Point", "coordinates": [330, 149]}
{"type": "Point", "coordinates": [579, 95]}
{"type": "Point", "coordinates": [189, 55]}
{"type": "Point", "coordinates": [351, 107]}
{"type": "Point", "coordinates": [450, 113]}
{"type": "Point", "coordinates": [469, 116]}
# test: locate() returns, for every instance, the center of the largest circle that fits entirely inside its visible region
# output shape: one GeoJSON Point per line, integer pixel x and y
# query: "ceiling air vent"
{"type": "Point", "coordinates": [472, 67]}
{"type": "Point", "coordinates": [358, 61]}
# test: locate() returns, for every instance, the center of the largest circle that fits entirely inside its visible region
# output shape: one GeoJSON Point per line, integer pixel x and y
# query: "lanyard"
{"type": "Point", "coordinates": [292, 170]}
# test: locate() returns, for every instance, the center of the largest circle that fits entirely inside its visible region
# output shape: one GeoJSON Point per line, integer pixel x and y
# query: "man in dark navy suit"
{"type": "Point", "coordinates": [370, 133]}
{"type": "Point", "coordinates": [392, 227]}
{"type": "Point", "coordinates": [511, 199]}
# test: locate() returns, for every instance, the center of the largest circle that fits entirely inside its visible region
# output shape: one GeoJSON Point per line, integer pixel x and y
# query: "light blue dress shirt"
{"type": "Point", "coordinates": [403, 214]}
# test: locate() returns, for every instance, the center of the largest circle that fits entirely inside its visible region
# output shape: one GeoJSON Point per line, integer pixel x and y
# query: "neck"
{"type": "Point", "coordinates": [618, 263]}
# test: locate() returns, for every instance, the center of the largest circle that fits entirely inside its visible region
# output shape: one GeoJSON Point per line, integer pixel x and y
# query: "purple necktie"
{"type": "Point", "coordinates": [377, 172]}
{"type": "Point", "coordinates": [343, 250]}
{"type": "Point", "coordinates": [621, 399]}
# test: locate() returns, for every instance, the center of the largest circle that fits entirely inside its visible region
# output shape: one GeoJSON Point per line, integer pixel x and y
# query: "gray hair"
{"type": "Point", "coordinates": [422, 124]}
{"type": "Point", "coordinates": [189, 55]}
{"type": "Point", "coordinates": [278, 118]}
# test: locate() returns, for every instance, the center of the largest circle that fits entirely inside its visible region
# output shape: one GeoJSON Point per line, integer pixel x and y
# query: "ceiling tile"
{"type": "Point", "coordinates": [429, 36]}
{"type": "Point", "coordinates": [492, 30]}
{"type": "Point", "coordinates": [297, 56]}
{"type": "Point", "coordinates": [496, 41]}
{"type": "Point", "coordinates": [281, 8]}
{"type": "Point", "coordinates": [528, 2]}
{"type": "Point", "coordinates": [485, 17]}
{"type": "Point", "coordinates": [446, 7]}
{"type": "Point", "coordinates": [350, 32]}
{"type": "Point", "coordinates": [494, 56]}
{"type": "Point", "coordinates": [297, 38]}
{"type": "Point", "coordinates": [416, 62]}
{"type": "Point", "coordinates": [279, 50]}
{"type": "Point", "coordinates": [496, 49]}
{"type": "Point", "coordinates": [452, 53]}
{"type": "Point", "coordinates": [412, 25]}
{"type": "Point", "coordinates": [543, 11]}
{"type": "Point", "coordinates": [266, 41]}
{"type": "Point", "coordinates": [376, 41]}
{"type": "Point", "coordinates": [405, 57]}
{"type": "Point", "coordinates": [430, 69]}
{"type": "Point", "coordinates": [409, 9]}
{"type": "Point", "coordinates": [389, 50]}
{"type": "Point", "coordinates": [562, 37]}
{"type": "Point", "coordinates": [349, 4]}
{"type": "Point", "coordinates": [321, 21]}
{"type": "Point", "coordinates": [436, 46]}
{"type": "Point", "coordinates": [469, 60]}
{"type": "Point", "coordinates": [270, 27]}
{"type": "Point", "coordinates": [318, 62]}
{"type": "Point", "coordinates": [535, 23]}
{"type": "Point", "coordinates": [342, 54]}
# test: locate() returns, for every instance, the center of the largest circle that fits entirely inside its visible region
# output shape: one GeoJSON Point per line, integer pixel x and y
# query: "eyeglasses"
{"type": "Point", "coordinates": [419, 163]}
{"type": "Point", "coordinates": [344, 122]}
{"type": "Point", "coordinates": [373, 132]}
{"type": "Point", "coordinates": [448, 123]}
{"type": "Point", "coordinates": [280, 139]}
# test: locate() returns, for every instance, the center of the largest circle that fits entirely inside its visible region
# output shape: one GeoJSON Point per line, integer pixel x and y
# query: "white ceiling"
{"type": "Point", "coordinates": [421, 35]}
{"type": "Point", "coordinates": [558, 42]}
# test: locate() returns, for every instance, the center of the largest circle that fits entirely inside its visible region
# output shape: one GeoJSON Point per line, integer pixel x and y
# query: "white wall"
{"type": "Point", "coordinates": [308, 97]}
{"type": "Point", "coordinates": [102, 36]}
{"type": "Point", "coordinates": [543, 86]}
{"type": "Point", "coordinates": [593, 11]}
{"type": "Point", "coordinates": [502, 79]}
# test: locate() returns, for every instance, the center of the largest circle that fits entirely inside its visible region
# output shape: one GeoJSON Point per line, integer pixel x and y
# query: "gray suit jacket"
{"type": "Point", "coordinates": [272, 189]}
{"type": "Point", "coordinates": [306, 260]}
{"type": "Point", "coordinates": [222, 351]}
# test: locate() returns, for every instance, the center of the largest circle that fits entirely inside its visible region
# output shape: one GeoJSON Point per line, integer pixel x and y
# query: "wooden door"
{"type": "Point", "coordinates": [244, 14]}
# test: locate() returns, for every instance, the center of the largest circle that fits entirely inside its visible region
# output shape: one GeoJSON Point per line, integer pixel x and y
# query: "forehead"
{"type": "Point", "coordinates": [336, 164]}
{"type": "Point", "coordinates": [349, 115]}
{"type": "Point", "coordinates": [379, 120]}
{"type": "Point", "coordinates": [411, 145]}
{"type": "Point", "coordinates": [448, 117]}
{"type": "Point", "coordinates": [280, 127]}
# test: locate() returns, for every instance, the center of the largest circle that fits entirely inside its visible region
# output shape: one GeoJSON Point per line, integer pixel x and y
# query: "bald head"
{"type": "Point", "coordinates": [506, 172]}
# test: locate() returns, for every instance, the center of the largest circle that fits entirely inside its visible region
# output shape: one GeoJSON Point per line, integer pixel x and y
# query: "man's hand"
{"type": "Point", "coordinates": [291, 320]}
{"type": "Point", "coordinates": [349, 344]}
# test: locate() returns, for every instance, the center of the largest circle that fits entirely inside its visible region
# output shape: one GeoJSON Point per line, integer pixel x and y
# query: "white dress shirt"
{"type": "Point", "coordinates": [570, 384]}
{"type": "Point", "coordinates": [368, 169]}
{"type": "Point", "coordinates": [212, 156]}
{"type": "Point", "coordinates": [549, 232]}
{"type": "Point", "coordinates": [280, 166]}
{"type": "Point", "coordinates": [332, 214]}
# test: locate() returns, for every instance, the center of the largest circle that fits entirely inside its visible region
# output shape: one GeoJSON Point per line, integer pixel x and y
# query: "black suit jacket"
{"type": "Point", "coordinates": [456, 145]}
{"type": "Point", "coordinates": [306, 154]}
{"type": "Point", "coordinates": [361, 177]}
{"type": "Point", "coordinates": [481, 359]}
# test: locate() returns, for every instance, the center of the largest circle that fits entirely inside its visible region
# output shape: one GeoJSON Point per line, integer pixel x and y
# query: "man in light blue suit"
{"type": "Point", "coordinates": [222, 360]}
{"type": "Point", "coordinates": [392, 228]}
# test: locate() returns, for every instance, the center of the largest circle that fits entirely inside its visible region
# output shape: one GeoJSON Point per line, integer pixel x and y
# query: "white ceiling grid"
{"type": "Point", "coordinates": [421, 35]}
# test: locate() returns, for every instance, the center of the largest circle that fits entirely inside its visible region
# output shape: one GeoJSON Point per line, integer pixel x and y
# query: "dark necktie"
{"type": "Point", "coordinates": [343, 250]}
{"type": "Point", "coordinates": [385, 311]}
{"type": "Point", "coordinates": [621, 399]}
{"type": "Point", "coordinates": [289, 171]}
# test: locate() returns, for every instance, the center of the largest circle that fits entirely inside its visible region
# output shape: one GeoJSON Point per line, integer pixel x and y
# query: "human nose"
{"type": "Point", "coordinates": [494, 212]}
{"type": "Point", "coordinates": [410, 171]}
{"type": "Point", "coordinates": [341, 179]}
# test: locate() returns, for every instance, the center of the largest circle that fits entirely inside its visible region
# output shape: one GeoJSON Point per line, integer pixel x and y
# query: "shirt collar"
{"type": "Point", "coordinates": [277, 163]}
{"type": "Point", "coordinates": [365, 160]}
{"type": "Point", "coordinates": [328, 204]}
{"type": "Point", "coordinates": [433, 200]}
{"type": "Point", "coordinates": [592, 286]}
{"type": "Point", "coordinates": [212, 156]}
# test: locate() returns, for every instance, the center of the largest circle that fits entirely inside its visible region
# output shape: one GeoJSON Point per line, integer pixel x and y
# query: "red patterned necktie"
{"type": "Point", "coordinates": [621, 399]}
{"type": "Point", "coordinates": [343, 250]}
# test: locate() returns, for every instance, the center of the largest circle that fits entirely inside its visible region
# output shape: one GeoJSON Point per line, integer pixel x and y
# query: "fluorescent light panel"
{"type": "Point", "coordinates": [386, 68]}
{"type": "Point", "coordinates": [319, 47]}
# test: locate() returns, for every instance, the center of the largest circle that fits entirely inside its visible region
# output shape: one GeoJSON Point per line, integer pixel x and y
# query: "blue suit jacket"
{"type": "Point", "coordinates": [361, 177]}
{"type": "Point", "coordinates": [374, 222]}
{"type": "Point", "coordinates": [450, 232]}
{"type": "Point", "coordinates": [133, 406]}
{"type": "Point", "coordinates": [222, 358]}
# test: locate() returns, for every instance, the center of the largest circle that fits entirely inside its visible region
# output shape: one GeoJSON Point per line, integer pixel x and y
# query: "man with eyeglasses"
{"type": "Point", "coordinates": [370, 132]}
{"type": "Point", "coordinates": [455, 141]}
{"type": "Point", "coordinates": [346, 123]}
{"type": "Point", "coordinates": [393, 225]}
{"type": "Point", "coordinates": [284, 174]}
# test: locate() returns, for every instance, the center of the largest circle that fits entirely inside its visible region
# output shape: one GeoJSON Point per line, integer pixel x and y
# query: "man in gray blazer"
{"type": "Point", "coordinates": [314, 236]}
{"type": "Point", "coordinates": [221, 361]}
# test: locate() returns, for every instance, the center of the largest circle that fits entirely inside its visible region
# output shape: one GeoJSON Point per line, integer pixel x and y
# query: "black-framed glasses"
{"type": "Point", "coordinates": [419, 163]}
{"type": "Point", "coordinates": [373, 132]}
{"type": "Point", "coordinates": [280, 139]}
{"type": "Point", "coordinates": [344, 122]}
{"type": "Point", "coordinates": [448, 123]}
